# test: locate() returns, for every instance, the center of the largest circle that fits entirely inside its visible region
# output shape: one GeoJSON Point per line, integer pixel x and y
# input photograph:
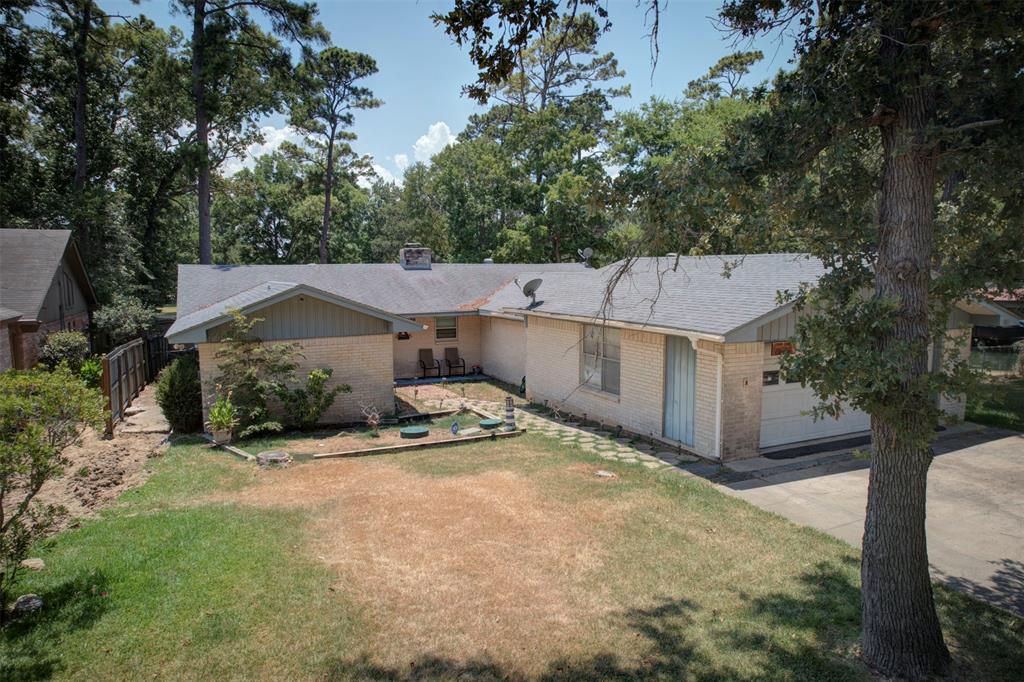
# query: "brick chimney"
{"type": "Point", "coordinates": [415, 256]}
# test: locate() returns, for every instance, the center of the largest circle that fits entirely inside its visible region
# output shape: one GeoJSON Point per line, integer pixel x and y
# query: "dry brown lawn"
{"type": "Point", "coordinates": [482, 563]}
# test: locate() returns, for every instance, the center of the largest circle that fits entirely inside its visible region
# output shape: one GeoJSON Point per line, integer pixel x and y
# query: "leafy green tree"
{"type": "Point", "coordinates": [238, 72]}
{"type": "Point", "coordinates": [724, 78]}
{"type": "Point", "coordinates": [41, 415]}
{"type": "Point", "coordinates": [125, 318]}
{"type": "Point", "coordinates": [327, 94]}
{"type": "Point", "coordinates": [16, 165]}
{"type": "Point", "coordinates": [879, 145]}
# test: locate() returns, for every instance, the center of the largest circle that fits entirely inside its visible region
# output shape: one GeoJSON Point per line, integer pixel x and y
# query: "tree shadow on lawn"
{"type": "Point", "coordinates": [677, 644]}
{"type": "Point", "coordinates": [29, 646]}
{"type": "Point", "coordinates": [811, 633]}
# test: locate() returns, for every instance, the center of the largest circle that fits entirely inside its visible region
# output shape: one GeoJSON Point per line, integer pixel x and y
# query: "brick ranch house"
{"type": "Point", "coordinates": [677, 352]}
{"type": "Point", "coordinates": [43, 288]}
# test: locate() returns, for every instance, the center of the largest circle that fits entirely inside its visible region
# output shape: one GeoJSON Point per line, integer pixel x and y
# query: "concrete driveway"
{"type": "Point", "coordinates": [975, 506]}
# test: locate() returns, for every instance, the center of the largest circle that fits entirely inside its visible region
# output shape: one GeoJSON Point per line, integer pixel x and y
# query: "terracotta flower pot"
{"type": "Point", "coordinates": [222, 437]}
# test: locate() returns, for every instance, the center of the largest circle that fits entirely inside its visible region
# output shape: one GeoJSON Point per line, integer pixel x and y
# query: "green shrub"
{"type": "Point", "coordinates": [91, 372]}
{"type": "Point", "coordinates": [41, 414]}
{"type": "Point", "coordinates": [67, 347]}
{"type": "Point", "coordinates": [180, 396]}
{"type": "Point", "coordinates": [303, 407]}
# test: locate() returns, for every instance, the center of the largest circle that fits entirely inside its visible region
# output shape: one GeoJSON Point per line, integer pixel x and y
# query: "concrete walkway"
{"type": "Point", "coordinates": [975, 506]}
{"type": "Point", "coordinates": [144, 415]}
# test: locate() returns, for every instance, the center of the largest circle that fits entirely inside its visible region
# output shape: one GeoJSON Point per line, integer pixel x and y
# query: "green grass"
{"type": "Point", "coordinates": [166, 587]}
{"type": "Point", "coordinates": [176, 583]}
{"type": "Point", "coordinates": [998, 402]}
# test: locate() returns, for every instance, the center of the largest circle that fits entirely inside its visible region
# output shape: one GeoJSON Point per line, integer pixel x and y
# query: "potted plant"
{"type": "Point", "coordinates": [223, 419]}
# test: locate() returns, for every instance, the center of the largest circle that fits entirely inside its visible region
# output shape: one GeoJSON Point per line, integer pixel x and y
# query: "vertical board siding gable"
{"type": "Point", "coordinates": [302, 317]}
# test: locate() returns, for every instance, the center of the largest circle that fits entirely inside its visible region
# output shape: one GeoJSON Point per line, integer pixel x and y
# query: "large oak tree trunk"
{"type": "Point", "coordinates": [901, 632]}
{"type": "Point", "coordinates": [202, 129]}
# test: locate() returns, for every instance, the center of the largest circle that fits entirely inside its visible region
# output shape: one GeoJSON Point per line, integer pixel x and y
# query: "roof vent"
{"type": "Point", "coordinates": [671, 254]}
{"type": "Point", "coordinates": [415, 256]}
{"type": "Point", "coordinates": [489, 261]}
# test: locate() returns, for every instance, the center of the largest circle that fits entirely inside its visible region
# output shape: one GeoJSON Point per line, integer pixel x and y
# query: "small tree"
{"type": "Point", "coordinates": [70, 348]}
{"type": "Point", "coordinates": [124, 318]}
{"type": "Point", "coordinates": [41, 414]}
{"type": "Point", "coordinates": [253, 372]}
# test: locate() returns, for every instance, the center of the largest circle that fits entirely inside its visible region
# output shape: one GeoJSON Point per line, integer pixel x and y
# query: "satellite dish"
{"type": "Point", "coordinates": [585, 255]}
{"type": "Point", "coordinates": [530, 289]}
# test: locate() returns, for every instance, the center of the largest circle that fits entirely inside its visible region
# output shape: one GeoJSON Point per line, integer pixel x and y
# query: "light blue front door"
{"type": "Point", "coordinates": [680, 387]}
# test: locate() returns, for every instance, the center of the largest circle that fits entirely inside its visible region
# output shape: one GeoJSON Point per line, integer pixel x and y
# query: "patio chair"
{"type": "Point", "coordinates": [453, 361]}
{"type": "Point", "coordinates": [428, 364]}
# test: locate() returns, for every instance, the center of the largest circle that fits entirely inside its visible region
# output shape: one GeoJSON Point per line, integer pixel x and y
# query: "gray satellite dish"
{"type": "Point", "coordinates": [530, 289]}
{"type": "Point", "coordinates": [585, 255]}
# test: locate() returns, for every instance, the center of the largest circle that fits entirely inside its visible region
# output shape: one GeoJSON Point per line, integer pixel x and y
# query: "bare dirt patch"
{"type": "Point", "coordinates": [349, 440]}
{"type": "Point", "coordinates": [480, 565]}
{"type": "Point", "coordinates": [99, 471]}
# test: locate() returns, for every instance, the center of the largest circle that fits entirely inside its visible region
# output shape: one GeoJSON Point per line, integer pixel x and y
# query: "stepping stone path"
{"type": "Point", "coordinates": [595, 440]}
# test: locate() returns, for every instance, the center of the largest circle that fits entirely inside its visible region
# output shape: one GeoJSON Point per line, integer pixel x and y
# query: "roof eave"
{"type": "Point", "coordinates": [619, 324]}
{"type": "Point", "coordinates": [196, 333]}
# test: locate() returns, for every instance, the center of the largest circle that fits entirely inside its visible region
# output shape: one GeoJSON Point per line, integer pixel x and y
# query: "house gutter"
{"type": "Point", "coordinates": [503, 316]}
{"type": "Point", "coordinates": [654, 329]}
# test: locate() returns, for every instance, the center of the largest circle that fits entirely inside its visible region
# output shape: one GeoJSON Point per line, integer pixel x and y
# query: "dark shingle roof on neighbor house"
{"type": "Point", "coordinates": [28, 262]}
{"type": "Point", "coordinates": [687, 293]}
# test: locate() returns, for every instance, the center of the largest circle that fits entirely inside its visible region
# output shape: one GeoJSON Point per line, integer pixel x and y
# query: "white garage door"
{"type": "Point", "coordinates": [782, 420]}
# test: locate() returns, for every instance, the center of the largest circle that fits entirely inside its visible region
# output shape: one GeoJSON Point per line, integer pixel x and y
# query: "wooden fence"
{"type": "Point", "coordinates": [126, 371]}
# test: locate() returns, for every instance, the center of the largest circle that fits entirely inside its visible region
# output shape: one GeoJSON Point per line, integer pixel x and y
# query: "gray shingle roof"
{"type": "Point", "coordinates": [690, 294]}
{"type": "Point", "coordinates": [8, 314]}
{"type": "Point", "coordinates": [445, 288]}
{"type": "Point", "coordinates": [28, 262]}
{"type": "Point", "coordinates": [267, 292]}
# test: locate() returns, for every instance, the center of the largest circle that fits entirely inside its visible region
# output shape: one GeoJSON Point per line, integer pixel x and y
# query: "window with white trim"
{"type": "Point", "coordinates": [600, 358]}
{"type": "Point", "coordinates": [445, 328]}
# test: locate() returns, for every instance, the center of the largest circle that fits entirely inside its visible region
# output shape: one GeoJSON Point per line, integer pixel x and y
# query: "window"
{"type": "Point", "coordinates": [770, 378]}
{"type": "Point", "coordinates": [445, 328]}
{"type": "Point", "coordinates": [600, 351]}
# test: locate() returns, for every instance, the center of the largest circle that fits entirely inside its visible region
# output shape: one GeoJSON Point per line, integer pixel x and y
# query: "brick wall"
{"type": "Point", "coordinates": [741, 399]}
{"type": "Point", "coordinates": [406, 352]}
{"type": "Point", "coordinates": [362, 362]}
{"type": "Point", "coordinates": [553, 374]}
{"type": "Point", "coordinates": [503, 348]}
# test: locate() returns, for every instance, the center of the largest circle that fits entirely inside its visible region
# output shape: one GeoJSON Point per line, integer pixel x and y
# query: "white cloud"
{"type": "Point", "coordinates": [273, 137]}
{"type": "Point", "coordinates": [382, 172]}
{"type": "Point", "coordinates": [401, 161]}
{"type": "Point", "coordinates": [438, 136]}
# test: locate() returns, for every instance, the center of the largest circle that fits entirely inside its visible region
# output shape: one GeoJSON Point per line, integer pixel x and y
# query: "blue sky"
{"type": "Point", "coordinates": [422, 70]}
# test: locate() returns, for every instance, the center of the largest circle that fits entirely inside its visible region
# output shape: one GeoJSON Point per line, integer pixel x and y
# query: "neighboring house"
{"type": "Point", "coordinates": [677, 352]}
{"type": "Point", "coordinates": [43, 288]}
{"type": "Point", "coordinates": [1011, 302]}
